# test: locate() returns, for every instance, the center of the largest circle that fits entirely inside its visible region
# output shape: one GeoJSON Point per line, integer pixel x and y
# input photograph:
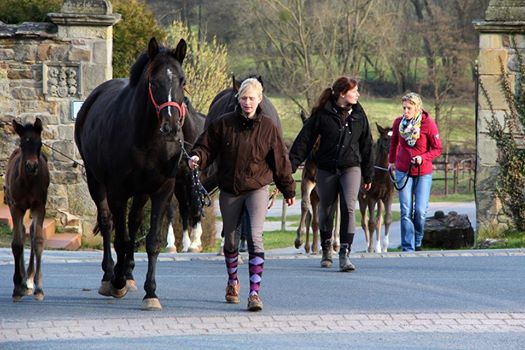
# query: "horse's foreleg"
{"type": "Point", "coordinates": [372, 244]}
{"type": "Point", "coordinates": [378, 225]}
{"type": "Point", "coordinates": [135, 216]}
{"type": "Point", "coordinates": [196, 234]}
{"type": "Point", "coordinates": [17, 247]}
{"type": "Point", "coordinates": [37, 246]}
{"type": "Point", "coordinates": [388, 222]}
{"type": "Point", "coordinates": [31, 267]}
{"type": "Point", "coordinates": [159, 201]}
{"type": "Point", "coordinates": [363, 208]}
{"type": "Point", "coordinates": [337, 228]}
{"type": "Point", "coordinates": [184, 218]}
{"type": "Point", "coordinates": [307, 222]}
{"type": "Point", "coordinates": [315, 226]}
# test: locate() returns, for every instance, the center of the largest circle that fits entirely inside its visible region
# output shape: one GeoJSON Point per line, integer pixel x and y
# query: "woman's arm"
{"type": "Point", "coordinates": [304, 142]}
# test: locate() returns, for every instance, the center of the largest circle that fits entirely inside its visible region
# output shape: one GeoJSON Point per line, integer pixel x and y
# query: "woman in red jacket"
{"type": "Point", "coordinates": [415, 143]}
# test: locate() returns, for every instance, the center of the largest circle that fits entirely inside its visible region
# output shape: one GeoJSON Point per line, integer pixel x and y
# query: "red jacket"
{"type": "Point", "coordinates": [428, 146]}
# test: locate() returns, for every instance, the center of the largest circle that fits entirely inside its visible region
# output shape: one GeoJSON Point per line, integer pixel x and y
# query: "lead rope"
{"type": "Point", "coordinates": [199, 195]}
{"type": "Point", "coordinates": [394, 181]}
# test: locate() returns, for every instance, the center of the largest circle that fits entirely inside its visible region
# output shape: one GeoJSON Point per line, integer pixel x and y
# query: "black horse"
{"type": "Point", "coordinates": [188, 204]}
{"type": "Point", "coordinates": [129, 134]}
{"type": "Point", "coordinates": [225, 102]}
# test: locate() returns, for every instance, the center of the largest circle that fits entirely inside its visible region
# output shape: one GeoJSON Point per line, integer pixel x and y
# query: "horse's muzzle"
{"type": "Point", "coordinates": [31, 168]}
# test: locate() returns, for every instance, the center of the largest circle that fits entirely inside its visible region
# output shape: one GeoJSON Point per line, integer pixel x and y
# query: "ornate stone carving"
{"type": "Point", "coordinates": [61, 81]}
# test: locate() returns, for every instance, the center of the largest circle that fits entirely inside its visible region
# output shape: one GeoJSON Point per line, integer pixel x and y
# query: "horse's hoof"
{"type": "Point", "coordinates": [105, 288]}
{"type": "Point", "coordinates": [29, 291]}
{"type": "Point", "coordinates": [151, 304]}
{"type": "Point", "coordinates": [297, 244]}
{"type": "Point", "coordinates": [119, 293]}
{"type": "Point", "coordinates": [131, 285]}
{"type": "Point", "coordinates": [17, 298]}
{"type": "Point", "coordinates": [197, 249]}
{"type": "Point", "coordinates": [39, 296]}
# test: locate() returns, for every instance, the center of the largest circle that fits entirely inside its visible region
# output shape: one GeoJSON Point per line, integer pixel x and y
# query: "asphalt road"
{"type": "Point", "coordinates": [428, 300]}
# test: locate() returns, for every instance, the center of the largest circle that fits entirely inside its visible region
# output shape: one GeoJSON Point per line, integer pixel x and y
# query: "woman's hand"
{"type": "Point", "coordinates": [193, 162]}
{"type": "Point", "coordinates": [367, 186]}
{"type": "Point", "coordinates": [290, 201]}
{"type": "Point", "coordinates": [417, 160]}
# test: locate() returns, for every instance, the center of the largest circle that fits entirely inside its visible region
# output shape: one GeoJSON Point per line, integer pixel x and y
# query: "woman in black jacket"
{"type": "Point", "coordinates": [343, 157]}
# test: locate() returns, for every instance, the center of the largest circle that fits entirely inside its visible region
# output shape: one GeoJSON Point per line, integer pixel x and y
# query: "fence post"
{"type": "Point", "coordinates": [456, 176]}
{"type": "Point", "coordinates": [446, 174]}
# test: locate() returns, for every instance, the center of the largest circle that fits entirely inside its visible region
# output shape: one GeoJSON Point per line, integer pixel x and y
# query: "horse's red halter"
{"type": "Point", "coordinates": [181, 107]}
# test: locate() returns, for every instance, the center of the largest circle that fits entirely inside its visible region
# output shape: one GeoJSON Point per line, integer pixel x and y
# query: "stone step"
{"type": "Point", "coordinates": [67, 241]}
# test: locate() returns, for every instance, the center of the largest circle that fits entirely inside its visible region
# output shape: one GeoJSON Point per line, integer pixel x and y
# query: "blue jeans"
{"type": "Point", "coordinates": [413, 202]}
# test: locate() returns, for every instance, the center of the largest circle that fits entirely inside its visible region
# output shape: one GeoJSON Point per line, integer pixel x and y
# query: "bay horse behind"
{"type": "Point", "coordinates": [26, 185]}
{"type": "Point", "coordinates": [380, 195]}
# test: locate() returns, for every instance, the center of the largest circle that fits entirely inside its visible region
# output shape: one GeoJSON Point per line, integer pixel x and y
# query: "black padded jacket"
{"type": "Point", "coordinates": [344, 142]}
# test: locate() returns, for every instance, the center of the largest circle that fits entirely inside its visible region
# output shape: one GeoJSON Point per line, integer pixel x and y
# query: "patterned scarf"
{"type": "Point", "coordinates": [410, 129]}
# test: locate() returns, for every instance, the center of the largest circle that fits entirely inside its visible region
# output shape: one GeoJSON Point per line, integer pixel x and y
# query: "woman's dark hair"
{"type": "Point", "coordinates": [340, 86]}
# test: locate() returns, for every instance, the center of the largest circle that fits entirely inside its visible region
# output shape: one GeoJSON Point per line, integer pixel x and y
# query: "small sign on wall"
{"type": "Point", "coordinates": [75, 107]}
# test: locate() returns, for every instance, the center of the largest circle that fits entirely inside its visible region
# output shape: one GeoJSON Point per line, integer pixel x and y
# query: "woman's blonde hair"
{"type": "Point", "coordinates": [414, 99]}
{"type": "Point", "coordinates": [251, 83]}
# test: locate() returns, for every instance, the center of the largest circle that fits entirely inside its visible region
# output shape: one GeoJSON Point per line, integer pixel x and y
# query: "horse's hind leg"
{"type": "Point", "coordinates": [135, 216]}
{"type": "Point", "coordinates": [37, 247]}
{"type": "Point", "coordinates": [121, 245]}
{"type": "Point", "coordinates": [17, 247]}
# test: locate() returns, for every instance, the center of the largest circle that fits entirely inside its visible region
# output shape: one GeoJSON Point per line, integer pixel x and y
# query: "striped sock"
{"type": "Point", "coordinates": [232, 261]}
{"type": "Point", "coordinates": [256, 265]}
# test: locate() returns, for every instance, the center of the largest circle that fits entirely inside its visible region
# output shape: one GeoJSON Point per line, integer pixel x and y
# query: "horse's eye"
{"type": "Point", "coordinates": [182, 81]}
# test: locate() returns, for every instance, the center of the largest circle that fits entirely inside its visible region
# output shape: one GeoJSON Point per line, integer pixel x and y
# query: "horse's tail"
{"type": "Point", "coordinates": [96, 229]}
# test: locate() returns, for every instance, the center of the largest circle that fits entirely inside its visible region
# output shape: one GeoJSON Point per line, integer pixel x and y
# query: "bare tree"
{"type": "Point", "coordinates": [306, 44]}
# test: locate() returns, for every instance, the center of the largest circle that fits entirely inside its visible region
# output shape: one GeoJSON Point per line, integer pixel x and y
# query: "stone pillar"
{"type": "Point", "coordinates": [88, 25]}
{"type": "Point", "coordinates": [503, 19]}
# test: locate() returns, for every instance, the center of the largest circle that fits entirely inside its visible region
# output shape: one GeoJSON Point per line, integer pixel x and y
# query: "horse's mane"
{"type": "Point", "coordinates": [138, 67]}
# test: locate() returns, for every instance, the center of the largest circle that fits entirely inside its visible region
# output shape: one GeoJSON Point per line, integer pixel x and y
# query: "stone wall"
{"type": "Point", "coordinates": [503, 18]}
{"type": "Point", "coordinates": [46, 70]}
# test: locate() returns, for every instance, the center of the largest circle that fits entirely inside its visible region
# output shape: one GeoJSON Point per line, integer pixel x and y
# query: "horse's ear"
{"type": "Point", "coordinates": [153, 48]}
{"type": "Point", "coordinates": [236, 85]}
{"type": "Point", "coordinates": [180, 50]}
{"type": "Point", "coordinates": [380, 128]}
{"type": "Point", "coordinates": [260, 80]}
{"type": "Point", "coordinates": [19, 128]}
{"type": "Point", "coordinates": [38, 125]}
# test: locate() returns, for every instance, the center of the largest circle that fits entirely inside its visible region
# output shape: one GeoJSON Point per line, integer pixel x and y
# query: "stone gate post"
{"type": "Point", "coordinates": [503, 18]}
